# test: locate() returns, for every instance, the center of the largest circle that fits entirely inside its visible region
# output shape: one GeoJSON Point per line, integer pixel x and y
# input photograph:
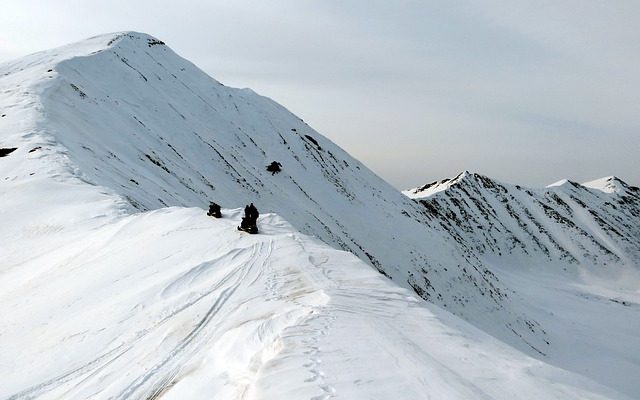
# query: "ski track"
{"type": "Point", "coordinates": [161, 374]}
{"type": "Point", "coordinates": [290, 307]}
{"type": "Point", "coordinates": [246, 272]}
{"type": "Point", "coordinates": [194, 340]}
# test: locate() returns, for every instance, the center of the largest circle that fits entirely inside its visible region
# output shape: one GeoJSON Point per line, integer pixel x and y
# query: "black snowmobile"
{"type": "Point", "coordinates": [214, 210]}
{"type": "Point", "coordinates": [250, 219]}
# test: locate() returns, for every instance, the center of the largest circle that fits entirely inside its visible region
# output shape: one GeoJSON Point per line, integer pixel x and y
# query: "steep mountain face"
{"type": "Point", "coordinates": [595, 224]}
{"type": "Point", "coordinates": [571, 252]}
{"type": "Point", "coordinates": [125, 112]}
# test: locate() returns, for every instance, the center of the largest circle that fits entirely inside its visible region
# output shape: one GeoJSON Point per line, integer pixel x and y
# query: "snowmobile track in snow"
{"type": "Point", "coordinates": [197, 338]}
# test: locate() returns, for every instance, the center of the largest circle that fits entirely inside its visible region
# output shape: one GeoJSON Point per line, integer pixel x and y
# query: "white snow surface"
{"type": "Point", "coordinates": [106, 293]}
{"type": "Point", "coordinates": [172, 304]}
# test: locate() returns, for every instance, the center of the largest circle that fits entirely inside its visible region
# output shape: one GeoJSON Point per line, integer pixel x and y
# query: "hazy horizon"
{"type": "Point", "coordinates": [524, 92]}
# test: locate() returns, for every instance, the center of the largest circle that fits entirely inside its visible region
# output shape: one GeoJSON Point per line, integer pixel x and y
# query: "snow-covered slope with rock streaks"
{"type": "Point", "coordinates": [100, 303]}
{"type": "Point", "coordinates": [134, 117]}
{"type": "Point", "coordinates": [595, 224]}
{"type": "Point", "coordinates": [571, 251]}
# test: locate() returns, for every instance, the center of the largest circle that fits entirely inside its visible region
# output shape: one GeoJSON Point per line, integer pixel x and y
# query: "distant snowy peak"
{"type": "Point", "coordinates": [434, 187]}
{"type": "Point", "coordinates": [608, 184]}
{"type": "Point", "coordinates": [464, 179]}
{"type": "Point", "coordinates": [612, 184]}
{"type": "Point", "coordinates": [565, 222]}
{"type": "Point", "coordinates": [561, 182]}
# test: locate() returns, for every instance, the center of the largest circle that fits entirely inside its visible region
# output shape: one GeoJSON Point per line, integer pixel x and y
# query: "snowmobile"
{"type": "Point", "coordinates": [246, 226]}
{"type": "Point", "coordinates": [251, 229]}
{"type": "Point", "coordinates": [214, 210]}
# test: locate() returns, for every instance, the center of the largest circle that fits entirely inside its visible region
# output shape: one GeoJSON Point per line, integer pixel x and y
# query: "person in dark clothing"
{"type": "Point", "coordinates": [253, 213]}
{"type": "Point", "coordinates": [249, 221]}
{"type": "Point", "coordinates": [214, 210]}
{"type": "Point", "coordinates": [274, 167]}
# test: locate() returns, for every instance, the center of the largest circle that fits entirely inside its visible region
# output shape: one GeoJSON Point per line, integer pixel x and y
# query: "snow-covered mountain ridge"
{"type": "Point", "coordinates": [571, 251]}
{"type": "Point", "coordinates": [125, 112]}
{"type": "Point", "coordinates": [119, 124]}
{"type": "Point", "coordinates": [596, 224]}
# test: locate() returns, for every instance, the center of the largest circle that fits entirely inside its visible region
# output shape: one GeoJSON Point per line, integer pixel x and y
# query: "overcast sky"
{"type": "Point", "coordinates": [526, 92]}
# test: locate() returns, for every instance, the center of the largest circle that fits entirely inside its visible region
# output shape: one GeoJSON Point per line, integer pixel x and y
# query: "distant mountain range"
{"type": "Point", "coordinates": [595, 224]}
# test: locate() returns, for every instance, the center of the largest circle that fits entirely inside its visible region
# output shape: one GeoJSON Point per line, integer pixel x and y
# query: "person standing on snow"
{"type": "Point", "coordinates": [250, 219]}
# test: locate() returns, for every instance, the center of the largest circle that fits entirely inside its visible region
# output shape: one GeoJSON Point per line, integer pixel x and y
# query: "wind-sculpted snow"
{"type": "Point", "coordinates": [570, 251]}
{"type": "Point", "coordinates": [125, 112]}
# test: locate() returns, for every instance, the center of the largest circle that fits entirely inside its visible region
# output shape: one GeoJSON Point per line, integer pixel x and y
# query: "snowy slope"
{"type": "Point", "coordinates": [125, 112]}
{"type": "Point", "coordinates": [172, 304]}
{"type": "Point", "coordinates": [570, 251]}
{"type": "Point", "coordinates": [597, 223]}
